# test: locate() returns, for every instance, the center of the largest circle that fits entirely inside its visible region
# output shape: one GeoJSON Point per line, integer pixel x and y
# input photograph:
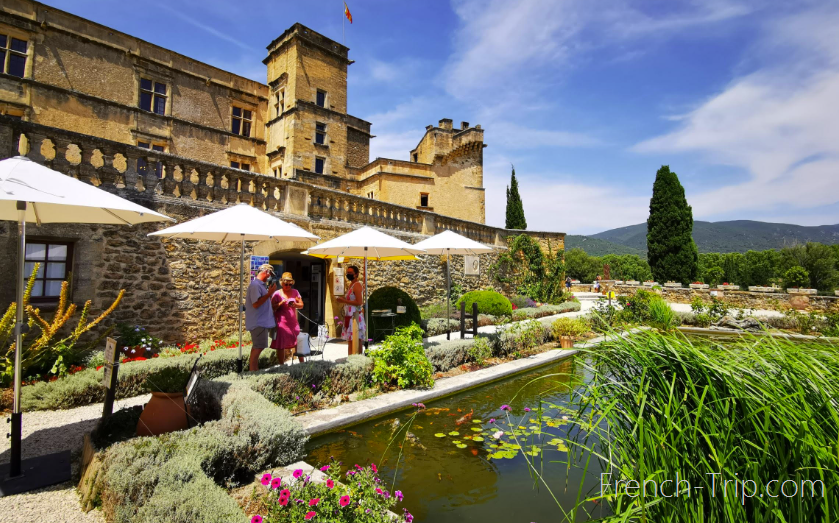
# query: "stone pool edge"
{"type": "Point", "coordinates": [329, 420]}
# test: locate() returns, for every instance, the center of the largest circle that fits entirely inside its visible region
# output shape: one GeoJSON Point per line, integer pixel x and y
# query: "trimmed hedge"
{"type": "Point", "coordinates": [448, 354]}
{"type": "Point", "coordinates": [545, 310]}
{"type": "Point", "coordinates": [387, 298]}
{"type": "Point", "coordinates": [489, 302]}
{"type": "Point", "coordinates": [135, 378]}
{"type": "Point", "coordinates": [179, 477]}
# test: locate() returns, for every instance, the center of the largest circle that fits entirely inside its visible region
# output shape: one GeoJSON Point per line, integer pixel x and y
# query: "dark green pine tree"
{"type": "Point", "coordinates": [515, 208]}
{"type": "Point", "coordinates": [671, 251]}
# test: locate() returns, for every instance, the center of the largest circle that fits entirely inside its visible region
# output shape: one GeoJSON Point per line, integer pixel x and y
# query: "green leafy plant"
{"type": "Point", "coordinates": [489, 302]}
{"type": "Point", "coordinates": [480, 350]}
{"type": "Point", "coordinates": [520, 337]}
{"type": "Point", "coordinates": [568, 327]}
{"type": "Point", "coordinates": [662, 316]}
{"type": "Point", "coordinates": [401, 360]}
{"type": "Point", "coordinates": [796, 277]}
{"type": "Point", "coordinates": [168, 380]}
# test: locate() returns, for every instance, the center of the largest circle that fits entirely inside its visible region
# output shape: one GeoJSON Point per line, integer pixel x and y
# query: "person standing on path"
{"type": "Point", "coordinates": [354, 303]}
{"type": "Point", "coordinates": [258, 318]}
{"type": "Point", "coordinates": [285, 303]}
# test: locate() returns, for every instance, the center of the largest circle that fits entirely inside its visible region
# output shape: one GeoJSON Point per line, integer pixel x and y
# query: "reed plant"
{"type": "Point", "coordinates": [760, 413]}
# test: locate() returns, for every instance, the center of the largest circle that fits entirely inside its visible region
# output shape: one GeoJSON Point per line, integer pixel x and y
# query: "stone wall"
{"type": "Point", "coordinates": [747, 300]}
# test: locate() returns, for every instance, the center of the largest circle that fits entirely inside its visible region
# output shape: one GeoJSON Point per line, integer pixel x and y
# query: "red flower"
{"type": "Point", "coordinates": [309, 515]}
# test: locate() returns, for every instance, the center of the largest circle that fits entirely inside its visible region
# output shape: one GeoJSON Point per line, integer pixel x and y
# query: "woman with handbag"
{"type": "Point", "coordinates": [285, 303]}
{"type": "Point", "coordinates": [353, 306]}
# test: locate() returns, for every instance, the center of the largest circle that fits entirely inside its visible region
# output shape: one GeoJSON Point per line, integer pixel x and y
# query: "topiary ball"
{"type": "Point", "coordinates": [489, 302]}
{"type": "Point", "coordinates": [388, 298]}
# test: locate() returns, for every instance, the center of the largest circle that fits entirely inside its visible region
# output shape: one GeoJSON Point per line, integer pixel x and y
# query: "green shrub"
{"type": "Point", "coordinates": [437, 326]}
{"type": "Point", "coordinates": [401, 360]}
{"type": "Point", "coordinates": [796, 277]}
{"type": "Point", "coordinates": [568, 327]}
{"type": "Point", "coordinates": [480, 351]}
{"type": "Point", "coordinates": [169, 379]}
{"type": "Point", "coordinates": [489, 302]}
{"type": "Point", "coordinates": [518, 337]}
{"type": "Point", "coordinates": [662, 316]}
{"type": "Point", "coordinates": [702, 320]}
{"type": "Point", "coordinates": [448, 354]}
{"type": "Point", "coordinates": [545, 310]}
{"type": "Point", "coordinates": [85, 387]}
{"type": "Point", "coordinates": [388, 298]}
{"type": "Point", "coordinates": [522, 302]}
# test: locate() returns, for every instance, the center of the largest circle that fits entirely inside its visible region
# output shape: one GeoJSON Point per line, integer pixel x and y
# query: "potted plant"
{"type": "Point", "coordinates": [566, 329]}
{"type": "Point", "coordinates": [165, 411]}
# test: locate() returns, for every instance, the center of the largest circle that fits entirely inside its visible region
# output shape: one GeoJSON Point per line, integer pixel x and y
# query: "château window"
{"type": "Point", "coordinates": [13, 56]}
{"type": "Point", "coordinates": [242, 119]}
{"type": "Point", "coordinates": [241, 165]}
{"type": "Point", "coordinates": [152, 96]}
{"type": "Point", "coordinates": [320, 133]}
{"type": "Point", "coordinates": [279, 104]}
{"type": "Point", "coordinates": [319, 163]}
{"type": "Point", "coordinates": [424, 199]}
{"type": "Point", "coordinates": [416, 157]}
{"type": "Point", "coordinates": [55, 259]}
{"type": "Point", "coordinates": [321, 98]}
{"type": "Point", "coordinates": [143, 164]}
{"type": "Point", "coordinates": [370, 195]}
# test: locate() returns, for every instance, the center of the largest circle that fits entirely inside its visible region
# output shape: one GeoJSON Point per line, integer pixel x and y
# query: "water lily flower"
{"type": "Point", "coordinates": [527, 409]}
{"type": "Point", "coordinates": [330, 483]}
{"type": "Point", "coordinates": [313, 502]}
{"type": "Point", "coordinates": [498, 435]}
{"type": "Point", "coordinates": [266, 479]}
{"type": "Point", "coordinates": [276, 482]}
{"type": "Point", "coordinates": [298, 473]}
{"type": "Point", "coordinates": [492, 420]}
{"type": "Point", "coordinates": [506, 407]}
{"type": "Point", "coordinates": [309, 515]}
{"type": "Point", "coordinates": [344, 501]}
{"type": "Point", "coordinates": [256, 519]}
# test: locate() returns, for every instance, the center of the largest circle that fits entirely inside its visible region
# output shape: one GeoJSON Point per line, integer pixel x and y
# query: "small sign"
{"type": "Point", "coordinates": [471, 266]}
{"type": "Point", "coordinates": [190, 386]}
{"type": "Point", "coordinates": [338, 281]}
{"type": "Point", "coordinates": [400, 309]}
{"type": "Point", "coordinates": [256, 261]}
{"type": "Point", "coordinates": [110, 359]}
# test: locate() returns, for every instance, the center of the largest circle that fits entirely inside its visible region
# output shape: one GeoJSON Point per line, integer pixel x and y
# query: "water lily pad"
{"type": "Point", "coordinates": [533, 427]}
{"type": "Point", "coordinates": [454, 433]}
{"type": "Point", "coordinates": [477, 421]}
{"type": "Point", "coordinates": [456, 442]}
{"type": "Point", "coordinates": [477, 429]}
{"type": "Point", "coordinates": [477, 438]}
{"type": "Point", "coordinates": [439, 435]}
{"type": "Point", "coordinates": [461, 446]}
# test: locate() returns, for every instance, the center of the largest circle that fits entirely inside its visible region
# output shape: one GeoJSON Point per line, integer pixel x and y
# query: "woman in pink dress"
{"type": "Point", "coordinates": [285, 303]}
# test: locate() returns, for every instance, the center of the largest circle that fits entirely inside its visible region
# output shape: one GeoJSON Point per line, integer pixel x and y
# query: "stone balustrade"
{"type": "Point", "coordinates": [113, 166]}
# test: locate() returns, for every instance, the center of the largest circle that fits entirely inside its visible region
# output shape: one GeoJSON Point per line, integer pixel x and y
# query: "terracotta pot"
{"type": "Point", "coordinates": [566, 342]}
{"type": "Point", "coordinates": [165, 412]}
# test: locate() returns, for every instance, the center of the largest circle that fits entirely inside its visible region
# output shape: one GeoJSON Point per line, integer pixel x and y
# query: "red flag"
{"type": "Point", "coordinates": [347, 12]}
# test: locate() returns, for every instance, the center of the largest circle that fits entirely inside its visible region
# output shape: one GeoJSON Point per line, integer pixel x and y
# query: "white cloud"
{"type": "Point", "coordinates": [778, 123]}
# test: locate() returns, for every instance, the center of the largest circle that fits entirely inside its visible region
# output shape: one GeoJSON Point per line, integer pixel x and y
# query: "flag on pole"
{"type": "Point", "coordinates": [347, 12]}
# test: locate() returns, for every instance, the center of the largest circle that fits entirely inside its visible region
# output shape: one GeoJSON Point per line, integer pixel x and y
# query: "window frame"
{"type": "Point", "coordinates": [154, 95]}
{"type": "Point", "coordinates": [8, 52]}
{"type": "Point", "coordinates": [325, 97]}
{"type": "Point", "coordinates": [279, 102]}
{"type": "Point", "coordinates": [424, 194]}
{"type": "Point", "coordinates": [240, 165]}
{"type": "Point", "coordinates": [68, 266]}
{"type": "Point", "coordinates": [322, 160]}
{"type": "Point", "coordinates": [320, 131]}
{"type": "Point", "coordinates": [241, 120]}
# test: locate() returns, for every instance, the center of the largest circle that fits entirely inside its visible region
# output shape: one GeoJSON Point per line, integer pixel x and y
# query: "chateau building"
{"type": "Point", "coordinates": [185, 138]}
{"type": "Point", "coordinates": [63, 71]}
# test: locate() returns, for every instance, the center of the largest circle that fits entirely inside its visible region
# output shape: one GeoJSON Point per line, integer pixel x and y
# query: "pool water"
{"type": "Point", "coordinates": [453, 469]}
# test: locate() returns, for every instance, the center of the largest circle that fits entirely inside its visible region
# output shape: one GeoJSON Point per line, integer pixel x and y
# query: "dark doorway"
{"type": "Point", "coordinates": [309, 275]}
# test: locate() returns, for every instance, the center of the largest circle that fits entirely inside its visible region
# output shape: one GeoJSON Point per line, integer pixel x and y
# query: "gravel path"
{"type": "Point", "coordinates": [45, 432]}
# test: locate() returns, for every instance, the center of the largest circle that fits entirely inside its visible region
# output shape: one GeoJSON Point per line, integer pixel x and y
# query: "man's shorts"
{"type": "Point", "coordinates": [259, 337]}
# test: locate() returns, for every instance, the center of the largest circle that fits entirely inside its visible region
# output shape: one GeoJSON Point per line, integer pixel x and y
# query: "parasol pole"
{"type": "Point", "coordinates": [15, 463]}
{"type": "Point", "coordinates": [448, 298]}
{"type": "Point", "coordinates": [242, 301]}
{"type": "Point", "coordinates": [366, 325]}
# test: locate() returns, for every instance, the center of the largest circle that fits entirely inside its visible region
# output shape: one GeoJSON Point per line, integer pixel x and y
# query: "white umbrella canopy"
{"type": "Point", "coordinates": [239, 223]}
{"type": "Point", "coordinates": [30, 192]}
{"type": "Point", "coordinates": [449, 242]}
{"type": "Point", "coordinates": [58, 198]}
{"type": "Point", "coordinates": [367, 243]}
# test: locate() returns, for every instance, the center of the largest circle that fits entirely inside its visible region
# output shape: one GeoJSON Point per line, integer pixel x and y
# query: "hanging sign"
{"type": "Point", "coordinates": [338, 281]}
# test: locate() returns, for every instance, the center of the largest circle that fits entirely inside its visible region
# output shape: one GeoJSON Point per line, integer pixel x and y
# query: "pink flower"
{"type": "Point", "coordinates": [298, 473]}
{"type": "Point", "coordinates": [378, 490]}
{"type": "Point", "coordinates": [498, 434]}
{"type": "Point", "coordinates": [324, 468]}
{"type": "Point", "coordinates": [330, 483]}
{"type": "Point", "coordinates": [527, 409]}
{"type": "Point", "coordinates": [505, 407]}
{"type": "Point", "coordinates": [276, 482]}
{"type": "Point", "coordinates": [266, 479]}
{"type": "Point", "coordinates": [344, 501]}
{"type": "Point", "coordinates": [285, 494]}
{"type": "Point", "coordinates": [359, 467]}
{"type": "Point", "coordinates": [373, 467]}
{"type": "Point", "coordinates": [398, 495]}
{"type": "Point", "coordinates": [256, 519]}
{"type": "Point", "coordinates": [309, 515]}
{"type": "Point", "coordinates": [314, 502]}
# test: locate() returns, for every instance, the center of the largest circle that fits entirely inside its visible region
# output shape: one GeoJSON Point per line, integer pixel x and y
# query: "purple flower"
{"type": "Point", "coordinates": [492, 420]}
{"type": "Point", "coordinates": [506, 407]}
{"type": "Point", "coordinates": [527, 409]}
{"type": "Point", "coordinates": [398, 495]}
{"type": "Point", "coordinates": [324, 468]}
{"type": "Point", "coordinates": [298, 473]}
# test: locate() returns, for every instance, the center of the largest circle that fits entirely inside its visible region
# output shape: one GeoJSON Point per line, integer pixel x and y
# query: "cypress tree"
{"type": "Point", "coordinates": [671, 251]}
{"type": "Point", "coordinates": [515, 208]}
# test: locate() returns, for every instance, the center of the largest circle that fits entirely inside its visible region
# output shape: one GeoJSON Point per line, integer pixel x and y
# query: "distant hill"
{"type": "Point", "coordinates": [598, 247]}
{"type": "Point", "coordinates": [730, 236]}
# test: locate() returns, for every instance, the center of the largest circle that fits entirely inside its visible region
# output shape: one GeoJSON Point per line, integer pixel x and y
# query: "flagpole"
{"type": "Point", "coordinates": [343, 15]}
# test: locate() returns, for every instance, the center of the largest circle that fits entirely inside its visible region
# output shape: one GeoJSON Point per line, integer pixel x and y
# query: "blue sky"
{"type": "Point", "coordinates": [587, 98]}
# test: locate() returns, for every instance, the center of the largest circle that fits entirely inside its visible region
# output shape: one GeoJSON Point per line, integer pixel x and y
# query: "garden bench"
{"type": "Point", "coordinates": [464, 316]}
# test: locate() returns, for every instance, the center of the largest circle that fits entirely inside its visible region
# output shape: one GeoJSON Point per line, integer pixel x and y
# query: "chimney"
{"type": "Point", "coordinates": [429, 127]}
{"type": "Point", "coordinates": [446, 123]}
{"type": "Point", "coordinates": [464, 126]}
